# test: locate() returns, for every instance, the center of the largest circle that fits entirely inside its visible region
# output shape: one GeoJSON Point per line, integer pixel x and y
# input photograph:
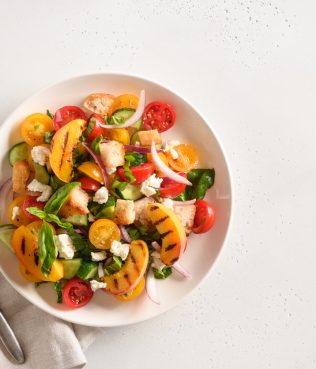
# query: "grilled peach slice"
{"type": "Point", "coordinates": [64, 142]}
{"type": "Point", "coordinates": [132, 271]}
{"type": "Point", "coordinates": [171, 231]}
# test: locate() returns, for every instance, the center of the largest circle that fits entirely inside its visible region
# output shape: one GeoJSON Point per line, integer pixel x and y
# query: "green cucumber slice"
{"type": "Point", "coordinates": [87, 270]}
{"type": "Point", "coordinates": [130, 192]}
{"type": "Point", "coordinates": [19, 151]}
{"type": "Point", "coordinates": [71, 267]}
{"type": "Point", "coordinates": [78, 219]}
{"type": "Point", "coordinates": [41, 173]}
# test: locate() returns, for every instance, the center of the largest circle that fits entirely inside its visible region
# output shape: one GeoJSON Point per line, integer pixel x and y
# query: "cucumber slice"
{"type": "Point", "coordinates": [107, 211]}
{"type": "Point", "coordinates": [6, 233]}
{"type": "Point", "coordinates": [78, 219]}
{"type": "Point", "coordinates": [130, 192]}
{"type": "Point", "coordinates": [20, 151]}
{"type": "Point", "coordinates": [123, 115]}
{"type": "Point", "coordinates": [87, 270]}
{"type": "Point", "coordinates": [41, 173]}
{"type": "Point", "coordinates": [71, 267]}
{"type": "Point", "coordinates": [134, 138]}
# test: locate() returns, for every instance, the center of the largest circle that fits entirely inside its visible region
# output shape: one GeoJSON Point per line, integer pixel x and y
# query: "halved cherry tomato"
{"type": "Point", "coordinates": [187, 158]}
{"type": "Point", "coordinates": [132, 295]}
{"type": "Point", "coordinates": [34, 127]}
{"type": "Point", "coordinates": [124, 101]}
{"type": "Point", "coordinates": [91, 170]}
{"type": "Point", "coordinates": [102, 232]}
{"type": "Point", "coordinates": [204, 217]}
{"type": "Point", "coordinates": [140, 172]}
{"type": "Point", "coordinates": [66, 114]}
{"type": "Point", "coordinates": [170, 188]}
{"type": "Point", "coordinates": [89, 184]}
{"type": "Point", "coordinates": [21, 218]}
{"type": "Point", "coordinates": [94, 129]}
{"type": "Point", "coordinates": [158, 115]}
{"type": "Point", "coordinates": [30, 201]}
{"type": "Point", "coordinates": [77, 293]}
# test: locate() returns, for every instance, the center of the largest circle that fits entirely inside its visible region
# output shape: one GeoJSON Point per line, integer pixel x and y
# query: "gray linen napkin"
{"type": "Point", "coordinates": [47, 342]}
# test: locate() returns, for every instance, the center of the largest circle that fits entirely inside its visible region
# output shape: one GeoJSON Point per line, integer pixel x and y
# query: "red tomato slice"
{"type": "Point", "coordinates": [77, 293]}
{"type": "Point", "coordinates": [158, 115]}
{"type": "Point", "coordinates": [29, 202]}
{"type": "Point", "coordinates": [204, 217]}
{"type": "Point", "coordinates": [66, 114]}
{"type": "Point", "coordinates": [140, 172]}
{"type": "Point", "coordinates": [170, 188]}
{"type": "Point", "coordinates": [89, 184]}
{"type": "Point", "coordinates": [94, 129]}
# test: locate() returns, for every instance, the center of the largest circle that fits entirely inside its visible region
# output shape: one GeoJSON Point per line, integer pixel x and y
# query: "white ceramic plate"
{"type": "Point", "coordinates": [202, 250]}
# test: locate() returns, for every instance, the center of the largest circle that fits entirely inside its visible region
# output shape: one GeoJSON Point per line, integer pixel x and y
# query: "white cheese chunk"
{"type": "Point", "coordinates": [157, 263]}
{"type": "Point", "coordinates": [174, 154]}
{"type": "Point", "coordinates": [40, 154]}
{"type": "Point", "coordinates": [15, 212]}
{"type": "Point", "coordinates": [95, 285]}
{"type": "Point", "coordinates": [120, 249]}
{"type": "Point", "coordinates": [65, 246]}
{"type": "Point", "coordinates": [168, 203]}
{"type": "Point", "coordinates": [101, 196]}
{"type": "Point", "coordinates": [150, 186]}
{"type": "Point", "coordinates": [111, 170]}
{"type": "Point", "coordinates": [36, 186]}
{"type": "Point", "coordinates": [98, 256]}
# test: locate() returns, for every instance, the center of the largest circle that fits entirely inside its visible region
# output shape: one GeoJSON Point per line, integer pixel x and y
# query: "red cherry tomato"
{"type": "Point", "coordinates": [158, 115]}
{"type": "Point", "coordinates": [204, 217]}
{"type": "Point", "coordinates": [170, 188]}
{"type": "Point", "coordinates": [94, 129]}
{"type": "Point", "coordinates": [89, 184]}
{"type": "Point", "coordinates": [66, 114]}
{"type": "Point", "coordinates": [29, 202]}
{"type": "Point", "coordinates": [140, 172]}
{"type": "Point", "coordinates": [77, 293]}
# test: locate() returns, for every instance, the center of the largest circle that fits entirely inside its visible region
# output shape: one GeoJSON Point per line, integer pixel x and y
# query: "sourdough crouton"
{"type": "Point", "coordinates": [20, 175]}
{"type": "Point", "coordinates": [112, 154]}
{"type": "Point", "coordinates": [99, 103]}
{"type": "Point", "coordinates": [124, 212]}
{"type": "Point", "coordinates": [186, 214]}
{"type": "Point", "coordinates": [141, 212]}
{"type": "Point", "coordinates": [146, 137]}
{"type": "Point", "coordinates": [77, 203]}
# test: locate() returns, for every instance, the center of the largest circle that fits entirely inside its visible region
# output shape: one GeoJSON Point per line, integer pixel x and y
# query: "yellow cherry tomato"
{"type": "Point", "coordinates": [27, 275]}
{"type": "Point", "coordinates": [120, 134]}
{"type": "Point", "coordinates": [91, 170]}
{"type": "Point", "coordinates": [34, 127]}
{"type": "Point", "coordinates": [102, 232]}
{"type": "Point", "coordinates": [132, 295]}
{"type": "Point", "coordinates": [20, 218]}
{"type": "Point", "coordinates": [187, 158]}
{"type": "Point", "coordinates": [124, 101]}
{"type": "Point", "coordinates": [163, 158]}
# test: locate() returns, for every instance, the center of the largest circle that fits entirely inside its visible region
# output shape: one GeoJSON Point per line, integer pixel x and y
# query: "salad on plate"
{"type": "Point", "coordinates": [99, 200]}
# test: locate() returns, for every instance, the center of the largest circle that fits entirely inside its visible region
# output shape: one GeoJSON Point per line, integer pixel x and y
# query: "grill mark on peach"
{"type": "Point", "coordinates": [153, 208]}
{"type": "Point", "coordinates": [174, 260]}
{"type": "Point", "coordinates": [36, 258]}
{"type": "Point", "coordinates": [116, 283]}
{"type": "Point", "coordinates": [161, 220]}
{"type": "Point", "coordinates": [163, 235]}
{"type": "Point", "coordinates": [23, 246]}
{"type": "Point", "coordinates": [170, 247]}
{"type": "Point", "coordinates": [66, 138]}
{"type": "Point", "coordinates": [127, 277]}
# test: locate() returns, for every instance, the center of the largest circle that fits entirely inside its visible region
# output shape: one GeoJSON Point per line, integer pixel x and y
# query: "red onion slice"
{"type": "Point", "coordinates": [179, 268]}
{"type": "Point", "coordinates": [98, 161]}
{"type": "Point", "coordinates": [6, 196]}
{"type": "Point", "coordinates": [124, 234]}
{"type": "Point", "coordinates": [134, 118]}
{"type": "Point", "coordinates": [100, 270]}
{"type": "Point", "coordinates": [142, 150]}
{"type": "Point", "coordinates": [156, 246]}
{"type": "Point", "coordinates": [151, 287]}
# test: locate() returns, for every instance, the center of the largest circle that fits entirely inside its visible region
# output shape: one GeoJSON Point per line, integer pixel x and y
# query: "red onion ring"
{"type": "Point", "coordinates": [151, 287]}
{"type": "Point", "coordinates": [124, 234]}
{"type": "Point", "coordinates": [98, 161]}
{"type": "Point", "coordinates": [179, 268]}
{"type": "Point", "coordinates": [142, 150]}
{"type": "Point", "coordinates": [6, 196]}
{"type": "Point", "coordinates": [100, 270]}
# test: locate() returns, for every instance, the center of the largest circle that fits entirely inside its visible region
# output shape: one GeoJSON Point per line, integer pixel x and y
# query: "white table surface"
{"type": "Point", "coordinates": [249, 66]}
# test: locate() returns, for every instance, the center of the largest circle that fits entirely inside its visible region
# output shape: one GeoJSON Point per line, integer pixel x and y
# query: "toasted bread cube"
{"type": "Point", "coordinates": [141, 215]}
{"type": "Point", "coordinates": [20, 175]}
{"type": "Point", "coordinates": [77, 203]}
{"type": "Point", "coordinates": [112, 154]}
{"type": "Point", "coordinates": [99, 103]}
{"type": "Point", "coordinates": [124, 212]}
{"type": "Point", "coordinates": [146, 137]}
{"type": "Point", "coordinates": [186, 214]}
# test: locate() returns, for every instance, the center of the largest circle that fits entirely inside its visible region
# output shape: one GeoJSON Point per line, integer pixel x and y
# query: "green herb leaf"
{"type": "Point", "coordinates": [58, 199]}
{"type": "Point", "coordinates": [37, 284]}
{"type": "Point", "coordinates": [115, 266]}
{"type": "Point", "coordinates": [90, 127]}
{"type": "Point", "coordinates": [81, 243]}
{"type": "Point", "coordinates": [128, 173]}
{"type": "Point", "coordinates": [47, 249]}
{"type": "Point", "coordinates": [51, 115]}
{"type": "Point", "coordinates": [55, 182]}
{"type": "Point", "coordinates": [51, 218]}
{"type": "Point", "coordinates": [119, 185]}
{"type": "Point", "coordinates": [48, 137]}
{"type": "Point", "coordinates": [134, 234]}
{"type": "Point", "coordinates": [164, 273]}
{"type": "Point", "coordinates": [59, 290]}
{"type": "Point", "coordinates": [135, 158]}
{"type": "Point", "coordinates": [96, 144]}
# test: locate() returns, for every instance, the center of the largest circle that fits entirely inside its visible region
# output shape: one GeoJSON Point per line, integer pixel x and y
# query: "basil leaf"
{"type": "Point", "coordinates": [202, 180]}
{"type": "Point", "coordinates": [37, 212]}
{"type": "Point", "coordinates": [164, 273]}
{"type": "Point", "coordinates": [48, 137]}
{"type": "Point", "coordinates": [59, 290]}
{"type": "Point", "coordinates": [47, 249]}
{"type": "Point", "coordinates": [58, 199]}
{"type": "Point", "coordinates": [134, 234]}
{"type": "Point", "coordinates": [51, 115]}
{"type": "Point", "coordinates": [37, 284]}
{"type": "Point", "coordinates": [96, 144]}
{"type": "Point", "coordinates": [115, 266]}
{"type": "Point", "coordinates": [51, 218]}
{"type": "Point", "coordinates": [81, 243]}
{"type": "Point", "coordinates": [55, 182]}
{"type": "Point", "coordinates": [128, 173]}
{"type": "Point", "coordinates": [135, 158]}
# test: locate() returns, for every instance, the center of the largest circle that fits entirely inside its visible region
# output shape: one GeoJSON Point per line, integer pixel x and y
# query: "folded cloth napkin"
{"type": "Point", "coordinates": [47, 342]}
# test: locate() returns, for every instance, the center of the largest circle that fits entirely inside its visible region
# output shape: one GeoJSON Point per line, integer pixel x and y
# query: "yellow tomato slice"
{"type": "Point", "coordinates": [102, 232]}
{"type": "Point", "coordinates": [124, 101]}
{"type": "Point", "coordinates": [91, 170]}
{"type": "Point", "coordinates": [120, 134]}
{"type": "Point", "coordinates": [132, 295]}
{"type": "Point", "coordinates": [34, 127]}
{"type": "Point", "coordinates": [27, 275]}
{"type": "Point", "coordinates": [34, 227]}
{"type": "Point", "coordinates": [21, 218]}
{"type": "Point", "coordinates": [187, 158]}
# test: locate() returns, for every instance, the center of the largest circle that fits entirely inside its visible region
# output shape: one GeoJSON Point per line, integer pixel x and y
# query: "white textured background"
{"type": "Point", "coordinates": [250, 67]}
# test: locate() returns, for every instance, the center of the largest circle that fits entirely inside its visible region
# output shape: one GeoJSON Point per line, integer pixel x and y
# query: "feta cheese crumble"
{"type": "Point", "coordinates": [157, 263]}
{"type": "Point", "coordinates": [168, 203]}
{"type": "Point", "coordinates": [95, 285]}
{"type": "Point", "coordinates": [40, 154]}
{"type": "Point", "coordinates": [65, 246]}
{"type": "Point", "coordinates": [120, 249]}
{"type": "Point", "coordinates": [101, 196]}
{"type": "Point", "coordinates": [150, 186]}
{"type": "Point", "coordinates": [174, 154]}
{"type": "Point", "coordinates": [111, 170]}
{"type": "Point", "coordinates": [36, 186]}
{"type": "Point", "coordinates": [98, 256]}
{"type": "Point", "coordinates": [15, 212]}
